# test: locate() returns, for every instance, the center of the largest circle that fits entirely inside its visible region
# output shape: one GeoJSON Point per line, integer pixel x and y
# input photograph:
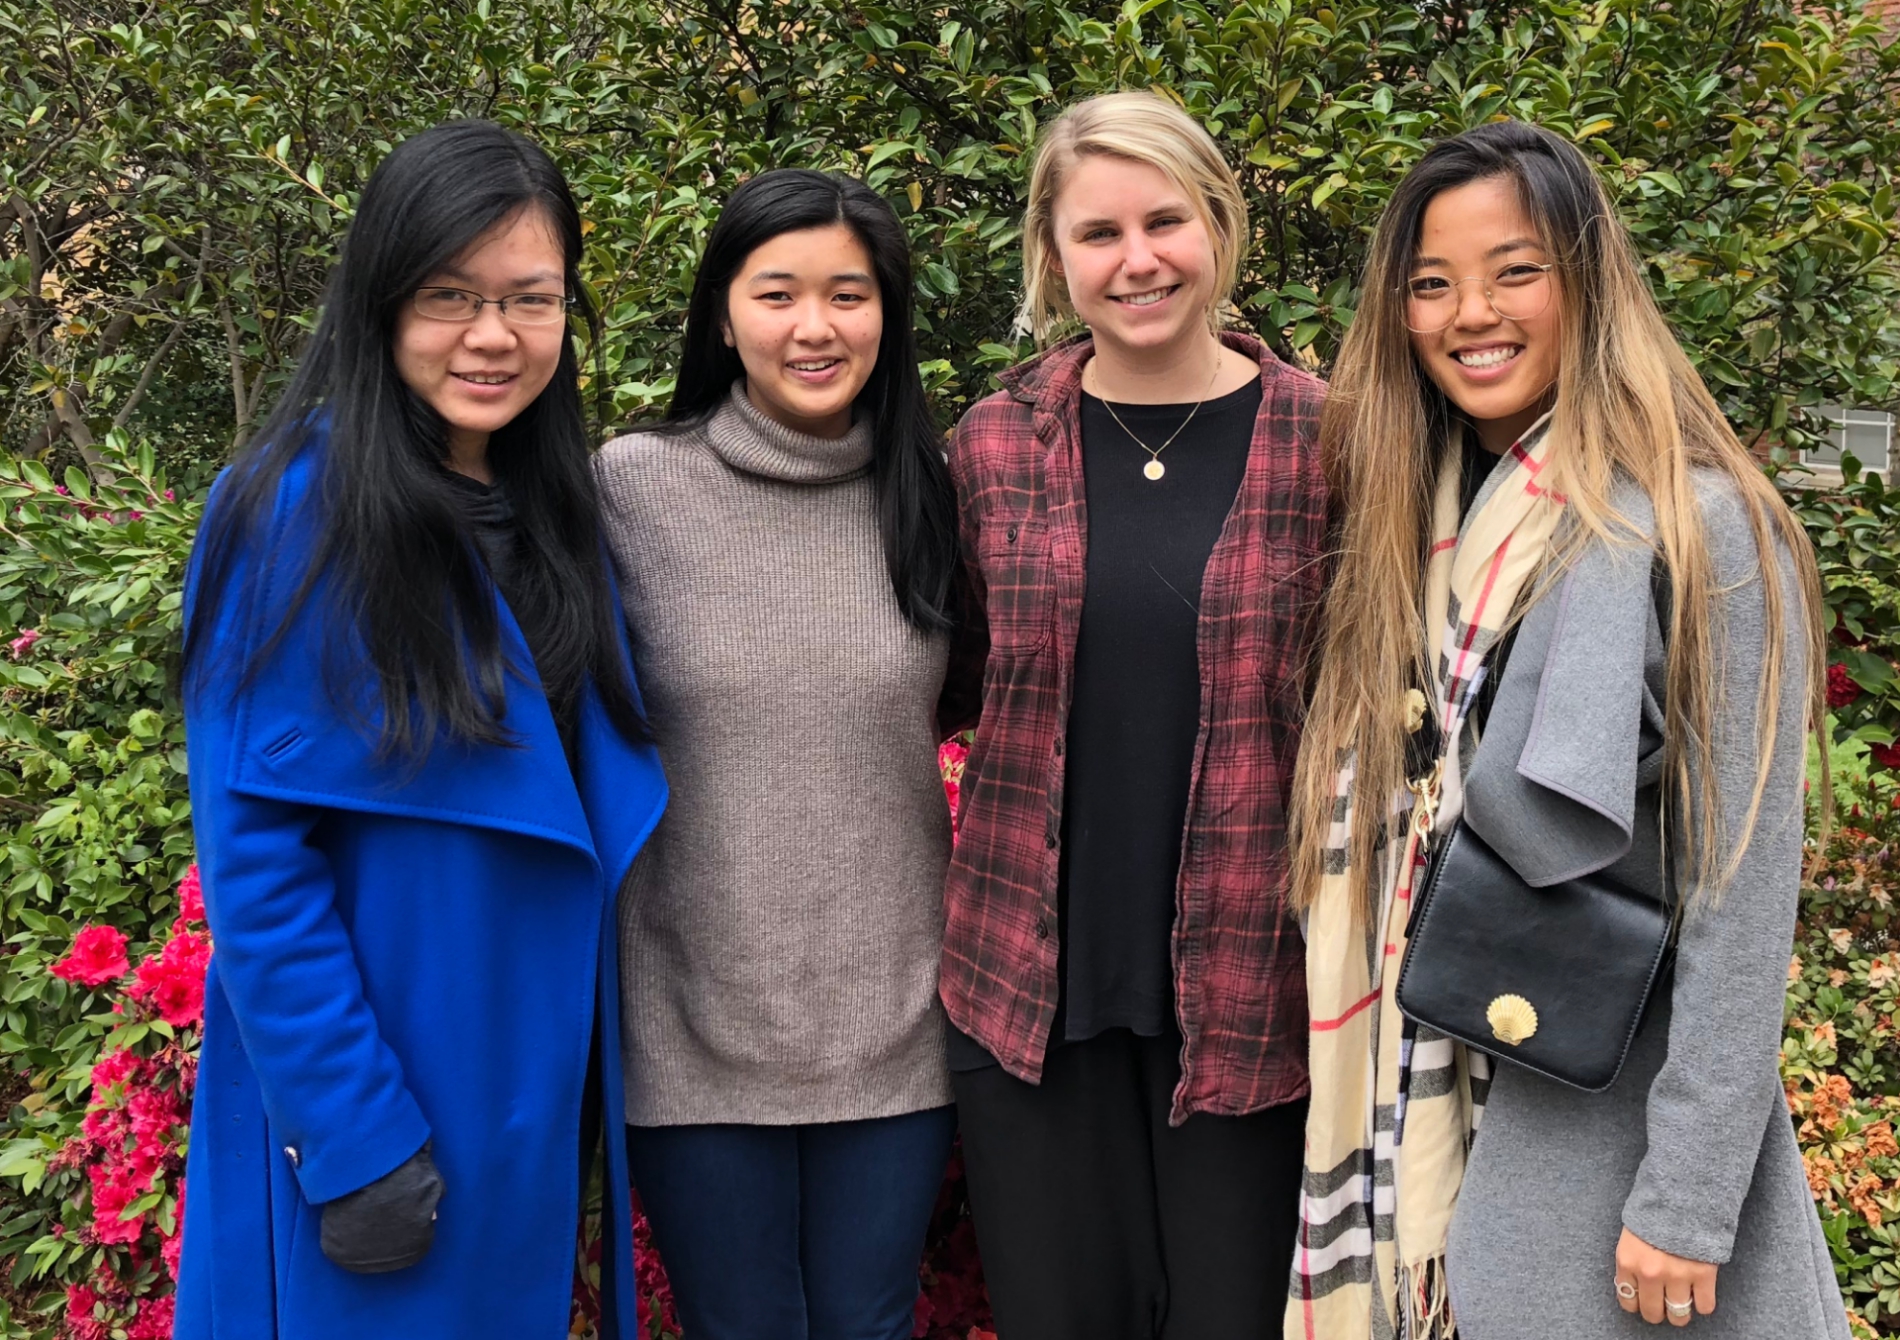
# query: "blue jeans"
{"type": "Point", "coordinates": [793, 1232]}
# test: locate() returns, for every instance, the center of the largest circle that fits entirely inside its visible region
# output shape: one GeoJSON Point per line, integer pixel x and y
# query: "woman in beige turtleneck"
{"type": "Point", "coordinates": [785, 546]}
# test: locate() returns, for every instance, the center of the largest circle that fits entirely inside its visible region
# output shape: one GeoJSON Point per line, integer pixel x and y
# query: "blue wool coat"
{"type": "Point", "coordinates": [403, 955]}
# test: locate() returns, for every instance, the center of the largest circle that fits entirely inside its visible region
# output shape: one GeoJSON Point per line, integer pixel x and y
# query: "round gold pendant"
{"type": "Point", "coordinates": [1154, 469]}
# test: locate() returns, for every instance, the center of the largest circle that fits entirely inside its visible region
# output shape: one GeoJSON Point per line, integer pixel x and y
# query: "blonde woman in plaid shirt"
{"type": "Point", "coordinates": [1144, 520]}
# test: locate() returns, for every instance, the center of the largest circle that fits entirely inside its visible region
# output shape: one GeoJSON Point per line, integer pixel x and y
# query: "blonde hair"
{"type": "Point", "coordinates": [1141, 127]}
{"type": "Point", "coordinates": [1627, 400]}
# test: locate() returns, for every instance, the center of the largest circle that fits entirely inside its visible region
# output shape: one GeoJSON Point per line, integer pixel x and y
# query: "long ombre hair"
{"type": "Point", "coordinates": [1627, 400]}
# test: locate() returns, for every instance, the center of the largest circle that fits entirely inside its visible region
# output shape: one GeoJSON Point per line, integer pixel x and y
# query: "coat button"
{"type": "Point", "coordinates": [296, 1159]}
{"type": "Point", "coordinates": [1012, 534]}
{"type": "Point", "coordinates": [1042, 929]}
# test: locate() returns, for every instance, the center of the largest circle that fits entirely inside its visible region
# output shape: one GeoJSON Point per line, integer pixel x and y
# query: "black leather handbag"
{"type": "Point", "coordinates": [1553, 979]}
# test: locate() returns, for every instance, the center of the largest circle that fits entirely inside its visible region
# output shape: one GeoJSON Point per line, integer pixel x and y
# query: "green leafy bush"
{"type": "Point", "coordinates": [173, 179]}
{"type": "Point", "coordinates": [174, 175]}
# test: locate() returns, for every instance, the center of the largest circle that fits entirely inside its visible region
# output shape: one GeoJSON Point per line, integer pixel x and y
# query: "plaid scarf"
{"type": "Point", "coordinates": [1394, 1105]}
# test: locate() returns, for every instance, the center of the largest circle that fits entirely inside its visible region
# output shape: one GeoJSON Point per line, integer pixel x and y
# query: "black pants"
{"type": "Point", "coordinates": [1096, 1220]}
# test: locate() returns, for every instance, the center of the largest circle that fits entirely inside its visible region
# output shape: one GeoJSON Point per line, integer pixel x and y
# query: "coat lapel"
{"type": "Point", "coordinates": [1575, 729]}
{"type": "Point", "coordinates": [293, 746]}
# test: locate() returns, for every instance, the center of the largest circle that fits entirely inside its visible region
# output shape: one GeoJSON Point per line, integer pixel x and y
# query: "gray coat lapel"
{"type": "Point", "coordinates": [1576, 730]}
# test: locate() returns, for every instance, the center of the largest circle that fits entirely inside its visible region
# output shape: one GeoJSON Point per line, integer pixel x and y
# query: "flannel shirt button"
{"type": "Point", "coordinates": [1058, 749]}
{"type": "Point", "coordinates": [1012, 534]}
{"type": "Point", "coordinates": [1049, 840]}
{"type": "Point", "coordinates": [1042, 929]}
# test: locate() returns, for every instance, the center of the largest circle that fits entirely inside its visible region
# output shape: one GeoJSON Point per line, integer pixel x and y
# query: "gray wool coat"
{"type": "Point", "coordinates": [1692, 1148]}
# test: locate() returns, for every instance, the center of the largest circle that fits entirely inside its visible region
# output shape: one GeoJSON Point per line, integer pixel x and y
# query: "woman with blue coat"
{"type": "Point", "coordinates": [419, 772]}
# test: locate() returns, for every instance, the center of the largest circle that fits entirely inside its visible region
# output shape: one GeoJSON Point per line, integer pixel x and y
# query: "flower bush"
{"type": "Point", "coordinates": [1841, 1064]}
{"type": "Point", "coordinates": [111, 1228]}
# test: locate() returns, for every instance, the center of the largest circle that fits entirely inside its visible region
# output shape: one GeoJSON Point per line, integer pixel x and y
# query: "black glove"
{"type": "Point", "coordinates": [387, 1225]}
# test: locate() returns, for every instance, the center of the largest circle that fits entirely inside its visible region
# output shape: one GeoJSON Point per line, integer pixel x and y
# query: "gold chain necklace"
{"type": "Point", "coordinates": [1154, 469]}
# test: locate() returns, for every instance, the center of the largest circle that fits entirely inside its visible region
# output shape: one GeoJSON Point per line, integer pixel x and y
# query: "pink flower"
{"type": "Point", "coordinates": [154, 1114]}
{"type": "Point", "coordinates": [110, 1196]}
{"type": "Point", "coordinates": [80, 1322]}
{"type": "Point", "coordinates": [62, 490]}
{"type": "Point", "coordinates": [116, 1069]}
{"type": "Point", "coordinates": [22, 644]}
{"type": "Point", "coordinates": [154, 1321]}
{"type": "Point", "coordinates": [170, 496]}
{"type": "Point", "coordinates": [97, 957]}
{"type": "Point", "coordinates": [951, 756]}
{"type": "Point", "coordinates": [169, 1248]}
{"type": "Point", "coordinates": [191, 897]}
{"type": "Point", "coordinates": [172, 982]}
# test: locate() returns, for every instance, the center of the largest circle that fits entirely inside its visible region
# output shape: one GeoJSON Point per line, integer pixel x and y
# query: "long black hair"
{"type": "Point", "coordinates": [916, 510]}
{"type": "Point", "coordinates": [405, 587]}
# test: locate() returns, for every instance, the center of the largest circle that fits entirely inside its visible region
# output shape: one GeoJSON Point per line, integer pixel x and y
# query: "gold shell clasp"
{"type": "Point", "coordinates": [1414, 710]}
{"type": "Point", "coordinates": [1512, 1018]}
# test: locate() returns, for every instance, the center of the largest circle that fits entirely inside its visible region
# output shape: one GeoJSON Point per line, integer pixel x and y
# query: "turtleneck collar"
{"type": "Point", "coordinates": [746, 439]}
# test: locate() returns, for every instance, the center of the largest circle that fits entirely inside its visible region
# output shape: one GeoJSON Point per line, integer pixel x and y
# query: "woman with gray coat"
{"type": "Point", "coordinates": [1572, 615]}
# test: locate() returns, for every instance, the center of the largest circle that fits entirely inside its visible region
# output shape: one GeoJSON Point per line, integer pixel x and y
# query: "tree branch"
{"type": "Point", "coordinates": [68, 410]}
{"type": "Point", "coordinates": [153, 364]}
{"type": "Point", "coordinates": [235, 349]}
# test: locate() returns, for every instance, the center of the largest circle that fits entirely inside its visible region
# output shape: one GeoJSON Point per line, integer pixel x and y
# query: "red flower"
{"type": "Point", "coordinates": [1886, 755]}
{"type": "Point", "coordinates": [97, 957]}
{"type": "Point", "coordinates": [191, 897]}
{"type": "Point", "coordinates": [172, 982]}
{"type": "Point", "coordinates": [22, 644]}
{"type": "Point", "coordinates": [653, 1292]}
{"type": "Point", "coordinates": [1841, 688]}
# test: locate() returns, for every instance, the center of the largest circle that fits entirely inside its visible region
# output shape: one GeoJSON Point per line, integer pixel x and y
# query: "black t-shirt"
{"type": "Point", "coordinates": [1135, 711]}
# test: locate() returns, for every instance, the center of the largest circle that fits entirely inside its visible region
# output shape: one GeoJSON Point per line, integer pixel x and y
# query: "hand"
{"type": "Point", "coordinates": [387, 1225]}
{"type": "Point", "coordinates": [1661, 1279]}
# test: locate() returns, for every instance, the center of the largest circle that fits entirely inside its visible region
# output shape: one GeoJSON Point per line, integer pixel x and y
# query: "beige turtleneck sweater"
{"type": "Point", "coordinates": [779, 933]}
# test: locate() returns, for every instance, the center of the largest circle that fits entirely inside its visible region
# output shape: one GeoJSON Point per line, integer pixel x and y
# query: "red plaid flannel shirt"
{"type": "Point", "coordinates": [1239, 959]}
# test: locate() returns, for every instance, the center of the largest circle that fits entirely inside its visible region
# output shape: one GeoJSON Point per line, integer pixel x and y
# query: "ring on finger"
{"type": "Point", "coordinates": [1626, 1290]}
{"type": "Point", "coordinates": [1678, 1309]}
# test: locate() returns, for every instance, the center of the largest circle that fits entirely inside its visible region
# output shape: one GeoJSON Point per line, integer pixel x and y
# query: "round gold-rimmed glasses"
{"type": "Point", "coordinates": [458, 304]}
{"type": "Point", "coordinates": [1517, 292]}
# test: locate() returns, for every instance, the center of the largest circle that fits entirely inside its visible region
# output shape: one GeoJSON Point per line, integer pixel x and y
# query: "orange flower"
{"type": "Point", "coordinates": [1880, 1141]}
{"type": "Point", "coordinates": [1861, 1194]}
{"type": "Point", "coordinates": [1819, 1169]}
